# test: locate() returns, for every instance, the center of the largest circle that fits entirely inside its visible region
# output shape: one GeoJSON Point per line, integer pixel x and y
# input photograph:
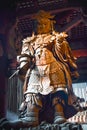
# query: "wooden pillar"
{"type": "Point", "coordinates": [3, 70]}
{"type": "Point", "coordinates": [2, 96]}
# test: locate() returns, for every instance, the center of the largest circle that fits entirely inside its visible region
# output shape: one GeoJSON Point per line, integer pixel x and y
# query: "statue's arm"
{"type": "Point", "coordinates": [25, 59]}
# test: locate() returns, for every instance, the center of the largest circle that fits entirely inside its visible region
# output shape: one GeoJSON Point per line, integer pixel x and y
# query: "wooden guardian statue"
{"type": "Point", "coordinates": [51, 67]}
{"type": "Point", "coordinates": [47, 67]}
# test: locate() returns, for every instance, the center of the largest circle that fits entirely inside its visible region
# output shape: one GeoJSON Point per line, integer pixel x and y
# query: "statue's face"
{"type": "Point", "coordinates": [44, 26]}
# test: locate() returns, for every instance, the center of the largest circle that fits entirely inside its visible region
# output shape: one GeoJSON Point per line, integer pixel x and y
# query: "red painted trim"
{"type": "Point", "coordinates": [80, 53]}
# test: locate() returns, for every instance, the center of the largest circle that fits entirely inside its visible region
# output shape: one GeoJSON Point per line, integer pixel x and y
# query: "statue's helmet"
{"type": "Point", "coordinates": [44, 22]}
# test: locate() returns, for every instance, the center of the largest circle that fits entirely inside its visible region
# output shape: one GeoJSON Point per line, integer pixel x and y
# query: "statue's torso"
{"type": "Point", "coordinates": [47, 74]}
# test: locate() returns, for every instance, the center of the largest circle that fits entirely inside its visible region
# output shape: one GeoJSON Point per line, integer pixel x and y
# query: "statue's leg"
{"type": "Point", "coordinates": [30, 113]}
{"type": "Point", "coordinates": [33, 106]}
{"type": "Point", "coordinates": [58, 102]}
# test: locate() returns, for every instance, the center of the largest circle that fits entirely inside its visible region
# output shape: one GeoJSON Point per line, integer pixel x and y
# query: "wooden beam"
{"type": "Point", "coordinates": [72, 24]}
{"type": "Point", "coordinates": [56, 11]}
